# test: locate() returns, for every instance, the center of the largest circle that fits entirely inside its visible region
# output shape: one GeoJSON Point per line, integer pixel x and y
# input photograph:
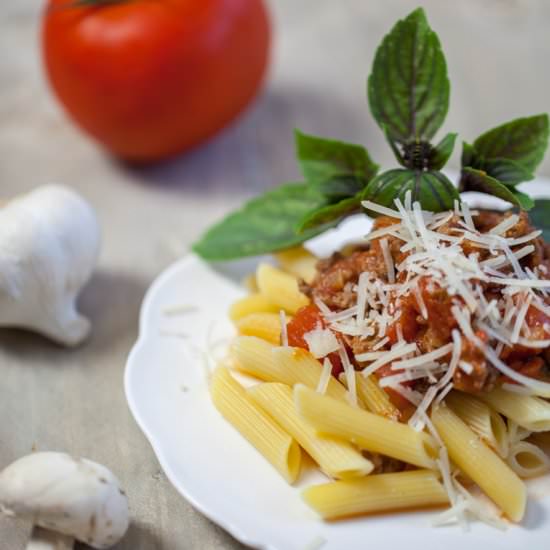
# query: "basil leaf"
{"type": "Point", "coordinates": [523, 200]}
{"type": "Point", "coordinates": [340, 187]}
{"type": "Point", "coordinates": [432, 189]}
{"type": "Point", "coordinates": [332, 214]}
{"type": "Point", "coordinates": [326, 159]}
{"type": "Point", "coordinates": [523, 140]}
{"type": "Point", "coordinates": [478, 180]}
{"type": "Point", "coordinates": [540, 217]}
{"type": "Point", "coordinates": [408, 88]}
{"type": "Point", "coordinates": [264, 224]}
{"type": "Point", "coordinates": [442, 152]}
{"type": "Point", "coordinates": [507, 171]}
{"type": "Point", "coordinates": [469, 156]}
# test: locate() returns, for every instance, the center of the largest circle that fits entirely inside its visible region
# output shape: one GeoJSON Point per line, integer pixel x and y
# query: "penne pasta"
{"type": "Point", "coordinates": [532, 413]}
{"type": "Point", "coordinates": [483, 420]}
{"type": "Point", "coordinates": [277, 446]}
{"type": "Point", "coordinates": [299, 262]}
{"type": "Point", "coordinates": [280, 288]}
{"type": "Point", "coordinates": [517, 433]}
{"type": "Point", "coordinates": [282, 364]}
{"type": "Point", "coordinates": [376, 493]}
{"type": "Point", "coordinates": [374, 398]}
{"type": "Point", "coordinates": [480, 463]}
{"type": "Point", "coordinates": [266, 326]}
{"type": "Point", "coordinates": [254, 303]}
{"type": "Point", "coordinates": [367, 430]}
{"type": "Point", "coordinates": [250, 283]}
{"type": "Point", "coordinates": [336, 458]}
{"type": "Point", "coordinates": [528, 460]}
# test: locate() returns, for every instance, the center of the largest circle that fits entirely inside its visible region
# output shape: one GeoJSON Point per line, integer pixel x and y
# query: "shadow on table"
{"type": "Point", "coordinates": [111, 301]}
{"type": "Point", "coordinates": [257, 150]}
{"type": "Point", "coordinates": [138, 537]}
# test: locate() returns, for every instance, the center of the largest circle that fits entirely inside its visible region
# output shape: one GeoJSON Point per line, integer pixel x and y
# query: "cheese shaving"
{"type": "Point", "coordinates": [388, 357]}
{"type": "Point", "coordinates": [324, 379]}
{"type": "Point", "coordinates": [349, 371]}
{"type": "Point", "coordinates": [321, 342]}
{"type": "Point", "coordinates": [388, 260]}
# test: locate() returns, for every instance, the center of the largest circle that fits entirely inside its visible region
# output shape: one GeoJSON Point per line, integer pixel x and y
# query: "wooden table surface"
{"type": "Point", "coordinates": [498, 53]}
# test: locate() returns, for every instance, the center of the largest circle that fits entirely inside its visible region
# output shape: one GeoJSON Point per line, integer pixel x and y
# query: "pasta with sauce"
{"type": "Point", "coordinates": [409, 367]}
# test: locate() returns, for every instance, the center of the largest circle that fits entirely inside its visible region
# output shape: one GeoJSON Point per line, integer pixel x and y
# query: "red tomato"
{"type": "Point", "coordinates": [306, 319]}
{"type": "Point", "coordinates": [151, 78]}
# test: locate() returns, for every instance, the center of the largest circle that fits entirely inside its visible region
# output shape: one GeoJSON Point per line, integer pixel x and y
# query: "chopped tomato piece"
{"type": "Point", "coordinates": [533, 368]}
{"type": "Point", "coordinates": [407, 322]}
{"type": "Point", "coordinates": [536, 318]}
{"type": "Point", "coordinates": [307, 319]}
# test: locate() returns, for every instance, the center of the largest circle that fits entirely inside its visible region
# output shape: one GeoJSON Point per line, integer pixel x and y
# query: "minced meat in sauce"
{"type": "Point", "coordinates": [337, 277]}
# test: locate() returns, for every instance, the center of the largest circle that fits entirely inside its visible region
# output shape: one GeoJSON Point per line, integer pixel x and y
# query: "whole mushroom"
{"type": "Point", "coordinates": [49, 244]}
{"type": "Point", "coordinates": [66, 498]}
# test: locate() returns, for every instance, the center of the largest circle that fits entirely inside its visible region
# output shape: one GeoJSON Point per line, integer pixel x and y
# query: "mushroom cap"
{"type": "Point", "coordinates": [73, 496]}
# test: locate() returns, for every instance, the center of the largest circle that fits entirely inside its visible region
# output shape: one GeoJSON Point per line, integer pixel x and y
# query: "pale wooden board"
{"type": "Point", "coordinates": [498, 53]}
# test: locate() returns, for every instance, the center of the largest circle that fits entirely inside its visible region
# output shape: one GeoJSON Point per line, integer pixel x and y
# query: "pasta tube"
{"type": "Point", "coordinates": [375, 399]}
{"type": "Point", "coordinates": [480, 463]}
{"type": "Point", "coordinates": [376, 493]}
{"type": "Point", "coordinates": [528, 460]}
{"type": "Point", "coordinates": [336, 458]}
{"type": "Point", "coordinates": [266, 326]}
{"type": "Point", "coordinates": [282, 364]}
{"type": "Point", "coordinates": [299, 262]}
{"type": "Point", "coordinates": [254, 303]}
{"type": "Point", "coordinates": [483, 420]}
{"type": "Point", "coordinates": [277, 446]}
{"type": "Point", "coordinates": [367, 430]}
{"type": "Point", "coordinates": [532, 413]}
{"type": "Point", "coordinates": [250, 283]}
{"type": "Point", "coordinates": [280, 288]}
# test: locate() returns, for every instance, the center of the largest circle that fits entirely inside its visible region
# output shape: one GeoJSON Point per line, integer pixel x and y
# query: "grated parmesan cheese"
{"type": "Point", "coordinates": [324, 379]}
{"type": "Point", "coordinates": [321, 341]}
{"type": "Point", "coordinates": [388, 260]}
{"type": "Point", "coordinates": [386, 358]}
{"type": "Point", "coordinates": [349, 372]}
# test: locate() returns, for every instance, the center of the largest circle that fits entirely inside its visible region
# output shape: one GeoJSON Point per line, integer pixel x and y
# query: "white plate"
{"type": "Point", "coordinates": [225, 478]}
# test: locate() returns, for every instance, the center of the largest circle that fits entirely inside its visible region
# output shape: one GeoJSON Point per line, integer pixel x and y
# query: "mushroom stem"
{"type": "Point", "coordinates": [44, 539]}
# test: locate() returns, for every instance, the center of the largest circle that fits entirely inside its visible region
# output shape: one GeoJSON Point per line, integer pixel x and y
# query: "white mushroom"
{"type": "Point", "coordinates": [49, 243]}
{"type": "Point", "coordinates": [72, 497]}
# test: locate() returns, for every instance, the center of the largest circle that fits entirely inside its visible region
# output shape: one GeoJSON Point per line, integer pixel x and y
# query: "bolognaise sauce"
{"type": "Point", "coordinates": [425, 316]}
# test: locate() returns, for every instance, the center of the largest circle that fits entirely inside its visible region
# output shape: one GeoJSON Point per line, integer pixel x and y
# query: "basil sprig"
{"type": "Point", "coordinates": [408, 94]}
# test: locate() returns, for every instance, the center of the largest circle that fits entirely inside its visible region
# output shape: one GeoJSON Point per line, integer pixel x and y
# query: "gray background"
{"type": "Point", "coordinates": [498, 53]}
